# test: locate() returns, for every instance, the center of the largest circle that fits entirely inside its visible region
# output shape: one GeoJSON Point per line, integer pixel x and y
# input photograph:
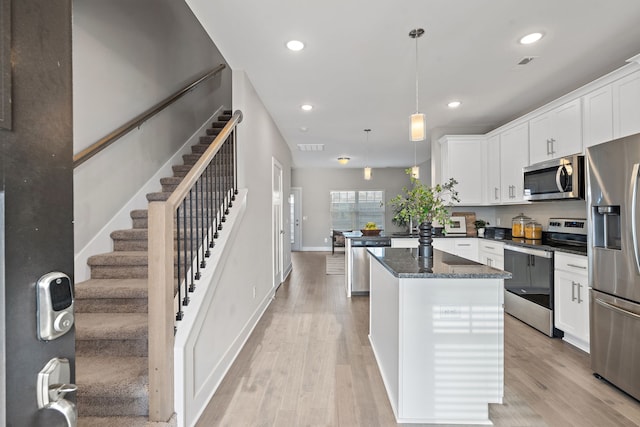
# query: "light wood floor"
{"type": "Point", "coordinates": [309, 363]}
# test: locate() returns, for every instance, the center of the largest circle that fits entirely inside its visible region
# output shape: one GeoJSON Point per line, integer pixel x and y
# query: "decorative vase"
{"type": "Point", "coordinates": [481, 232]}
{"type": "Point", "coordinates": [425, 247]}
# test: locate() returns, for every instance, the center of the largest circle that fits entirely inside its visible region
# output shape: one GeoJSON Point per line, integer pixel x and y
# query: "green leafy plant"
{"type": "Point", "coordinates": [480, 223]}
{"type": "Point", "coordinates": [423, 203]}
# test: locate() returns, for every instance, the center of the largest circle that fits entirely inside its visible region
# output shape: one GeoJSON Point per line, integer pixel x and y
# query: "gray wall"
{"type": "Point", "coordinates": [316, 185]}
{"type": "Point", "coordinates": [127, 56]}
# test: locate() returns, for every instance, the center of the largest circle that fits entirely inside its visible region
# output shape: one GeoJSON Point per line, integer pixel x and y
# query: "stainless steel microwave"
{"type": "Point", "coordinates": [556, 179]}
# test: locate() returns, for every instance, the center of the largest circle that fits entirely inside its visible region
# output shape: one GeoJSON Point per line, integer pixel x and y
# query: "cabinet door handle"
{"type": "Point", "coordinates": [548, 143]}
{"type": "Point", "coordinates": [489, 247]}
{"type": "Point", "coordinates": [573, 291]}
{"type": "Point", "coordinates": [577, 266]}
{"type": "Point", "coordinates": [464, 244]}
{"type": "Point", "coordinates": [552, 143]}
{"type": "Point", "coordinates": [495, 193]}
{"type": "Point", "coordinates": [579, 299]}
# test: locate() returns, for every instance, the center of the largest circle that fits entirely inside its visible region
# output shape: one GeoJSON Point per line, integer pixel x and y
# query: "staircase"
{"type": "Point", "coordinates": [112, 321]}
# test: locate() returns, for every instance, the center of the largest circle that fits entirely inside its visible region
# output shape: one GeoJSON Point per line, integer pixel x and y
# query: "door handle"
{"type": "Point", "coordinates": [53, 384]}
{"type": "Point", "coordinates": [573, 291]}
{"type": "Point", "coordinates": [634, 213]}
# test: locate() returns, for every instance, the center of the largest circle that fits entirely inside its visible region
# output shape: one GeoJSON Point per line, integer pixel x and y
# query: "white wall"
{"type": "Point", "coordinates": [128, 56]}
{"type": "Point", "coordinates": [316, 185]}
{"type": "Point", "coordinates": [234, 309]}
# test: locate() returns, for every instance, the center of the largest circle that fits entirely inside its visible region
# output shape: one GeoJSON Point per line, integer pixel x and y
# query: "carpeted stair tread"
{"type": "Point", "coordinates": [112, 377]}
{"type": "Point", "coordinates": [190, 159]}
{"type": "Point", "coordinates": [213, 131]}
{"type": "Point", "coordinates": [112, 288]}
{"type": "Point", "coordinates": [111, 326]}
{"type": "Point", "coordinates": [171, 180]}
{"type": "Point", "coordinates": [218, 124]}
{"type": "Point", "coordinates": [160, 196]}
{"type": "Point", "coordinates": [225, 117]}
{"type": "Point", "coordinates": [120, 258]}
{"type": "Point", "coordinates": [130, 234]}
{"type": "Point", "coordinates": [122, 422]}
{"type": "Point", "coordinates": [207, 140]}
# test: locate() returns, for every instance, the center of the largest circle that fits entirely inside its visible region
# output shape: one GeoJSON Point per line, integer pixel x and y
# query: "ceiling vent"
{"type": "Point", "coordinates": [526, 60]}
{"type": "Point", "coordinates": [311, 147]}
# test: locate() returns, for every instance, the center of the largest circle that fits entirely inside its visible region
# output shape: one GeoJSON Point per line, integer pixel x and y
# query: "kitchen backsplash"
{"type": "Point", "coordinates": [500, 216]}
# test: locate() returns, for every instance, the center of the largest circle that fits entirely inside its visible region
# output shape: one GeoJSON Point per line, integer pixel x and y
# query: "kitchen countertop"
{"type": "Point", "coordinates": [537, 244]}
{"type": "Point", "coordinates": [405, 263]}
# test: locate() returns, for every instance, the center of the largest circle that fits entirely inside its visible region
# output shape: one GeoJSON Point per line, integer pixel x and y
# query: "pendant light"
{"type": "Point", "coordinates": [417, 130]}
{"type": "Point", "coordinates": [368, 172]}
{"type": "Point", "coordinates": [415, 170]}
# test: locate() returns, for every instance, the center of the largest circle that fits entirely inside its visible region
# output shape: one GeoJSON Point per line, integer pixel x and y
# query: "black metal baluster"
{"type": "Point", "coordinates": [196, 247]}
{"type": "Point", "coordinates": [209, 193]}
{"type": "Point", "coordinates": [235, 163]}
{"type": "Point", "coordinates": [179, 314]}
{"type": "Point", "coordinates": [220, 179]}
{"type": "Point", "coordinates": [229, 151]}
{"type": "Point", "coordinates": [201, 212]}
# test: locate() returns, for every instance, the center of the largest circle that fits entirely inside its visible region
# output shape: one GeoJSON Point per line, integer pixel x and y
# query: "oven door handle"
{"type": "Point", "coordinates": [536, 252]}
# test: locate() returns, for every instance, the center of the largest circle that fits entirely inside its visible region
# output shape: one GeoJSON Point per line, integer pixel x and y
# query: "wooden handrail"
{"type": "Point", "coordinates": [109, 139]}
{"type": "Point", "coordinates": [161, 280]}
{"type": "Point", "coordinates": [190, 179]}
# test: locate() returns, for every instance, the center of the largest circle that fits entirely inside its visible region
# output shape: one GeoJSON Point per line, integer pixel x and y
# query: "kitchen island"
{"type": "Point", "coordinates": [436, 330]}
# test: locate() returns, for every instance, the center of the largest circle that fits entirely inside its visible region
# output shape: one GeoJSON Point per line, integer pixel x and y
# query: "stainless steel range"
{"type": "Point", "coordinates": [529, 292]}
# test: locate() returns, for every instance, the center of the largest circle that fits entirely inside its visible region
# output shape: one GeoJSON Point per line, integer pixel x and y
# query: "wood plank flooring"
{"type": "Point", "coordinates": [309, 363]}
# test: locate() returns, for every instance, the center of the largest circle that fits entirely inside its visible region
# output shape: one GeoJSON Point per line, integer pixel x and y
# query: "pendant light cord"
{"type": "Point", "coordinates": [416, 37]}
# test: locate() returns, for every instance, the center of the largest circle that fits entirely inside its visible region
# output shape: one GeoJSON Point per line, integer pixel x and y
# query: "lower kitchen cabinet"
{"type": "Point", "coordinates": [464, 247]}
{"type": "Point", "coordinates": [571, 299]}
{"type": "Point", "coordinates": [491, 253]}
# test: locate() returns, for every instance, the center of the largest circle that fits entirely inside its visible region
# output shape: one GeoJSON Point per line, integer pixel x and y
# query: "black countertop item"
{"type": "Point", "coordinates": [405, 263]}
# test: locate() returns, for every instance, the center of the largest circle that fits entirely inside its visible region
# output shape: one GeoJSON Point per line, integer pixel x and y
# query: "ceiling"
{"type": "Point", "coordinates": [359, 65]}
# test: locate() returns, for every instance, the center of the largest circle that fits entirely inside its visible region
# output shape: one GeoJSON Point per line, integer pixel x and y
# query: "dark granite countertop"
{"type": "Point", "coordinates": [538, 244]}
{"type": "Point", "coordinates": [405, 263]}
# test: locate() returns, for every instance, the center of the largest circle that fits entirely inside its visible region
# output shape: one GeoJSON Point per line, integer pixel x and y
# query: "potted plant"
{"type": "Point", "coordinates": [480, 225]}
{"type": "Point", "coordinates": [424, 205]}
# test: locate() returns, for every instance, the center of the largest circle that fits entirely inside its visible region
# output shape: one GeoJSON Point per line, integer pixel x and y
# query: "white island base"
{"type": "Point", "coordinates": [439, 345]}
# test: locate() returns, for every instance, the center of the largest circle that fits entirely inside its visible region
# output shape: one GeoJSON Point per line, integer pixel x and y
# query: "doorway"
{"type": "Point", "coordinates": [277, 220]}
{"type": "Point", "coordinates": [295, 204]}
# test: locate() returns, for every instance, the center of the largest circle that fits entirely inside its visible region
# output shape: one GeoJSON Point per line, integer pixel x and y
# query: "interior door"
{"type": "Point", "coordinates": [277, 228]}
{"type": "Point", "coordinates": [296, 218]}
{"type": "Point", "coordinates": [36, 178]}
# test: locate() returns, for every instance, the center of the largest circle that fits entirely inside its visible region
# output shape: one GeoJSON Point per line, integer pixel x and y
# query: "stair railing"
{"type": "Point", "coordinates": [182, 231]}
{"type": "Point", "coordinates": [137, 121]}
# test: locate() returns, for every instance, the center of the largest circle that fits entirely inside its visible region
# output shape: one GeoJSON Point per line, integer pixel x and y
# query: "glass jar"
{"type": "Point", "coordinates": [533, 230]}
{"type": "Point", "coordinates": [517, 225]}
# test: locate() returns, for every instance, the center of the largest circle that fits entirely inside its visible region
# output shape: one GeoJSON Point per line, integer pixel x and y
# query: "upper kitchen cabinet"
{"type": "Point", "coordinates": [597, 116]}
{"type": "Point", "coordinates": [626, 105]}
{"type": "Point", "coordinates": [493, 170]}
{"type": "Point", "coordinates": [556, 133]}
{"type": "Point", "coordinates": [514, 155]}
{"type": "Point", "coordinates": [463, 157]}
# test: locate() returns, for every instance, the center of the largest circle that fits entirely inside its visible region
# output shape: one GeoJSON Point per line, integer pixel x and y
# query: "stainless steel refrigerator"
{"type": "Point", "coordinates": [613, 184]}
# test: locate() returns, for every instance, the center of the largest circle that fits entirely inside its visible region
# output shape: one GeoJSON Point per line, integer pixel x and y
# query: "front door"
{"type": "Point", "coordinates": [295, 203]}
{"type": "Point", "coordinates": [36, 188]}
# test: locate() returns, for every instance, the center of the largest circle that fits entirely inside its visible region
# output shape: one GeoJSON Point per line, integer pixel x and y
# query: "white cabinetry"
{"type": "Point", "coordinates": [491, 253]}
{"type": "Point", "coordinates": [556, 133]}
{"type": "Point", "coordinates": [463, 158]}
{"type": "Point", "coordinates": [571, 298]}
{"type": "Point", "coordinates": [464, 247]}
{"type": "Point", "coordinates": [626, 105]}
{"type": "Point", "coordinates": [404, 242]}
{"type": "Point", "coordinates": [514, 155]}
{"type": "Point", "coordinates": [493, 170]}
{"type": "Point", "coordinates": [597, 116]}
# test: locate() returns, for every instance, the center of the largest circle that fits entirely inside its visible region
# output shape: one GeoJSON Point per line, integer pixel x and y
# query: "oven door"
{"type": "Point", "coordinates": [529, 292]}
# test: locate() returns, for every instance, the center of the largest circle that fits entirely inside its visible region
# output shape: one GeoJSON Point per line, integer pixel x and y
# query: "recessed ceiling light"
{"type": "Point", "coordinates": [531, 38]}
{"type": "Point", "coordinates": [295, 45]}
{"type": "Point", "coordinates": [307, 107]}
{"type": "Point", "coordinates": [454, 104]}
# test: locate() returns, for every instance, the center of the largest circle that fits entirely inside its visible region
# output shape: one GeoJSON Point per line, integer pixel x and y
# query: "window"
{"type": "Point", "coordinates": [351, 210]}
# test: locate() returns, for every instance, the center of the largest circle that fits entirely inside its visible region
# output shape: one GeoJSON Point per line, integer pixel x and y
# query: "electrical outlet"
{"type": "Point", "coordinates": [326, 240]}
{"type": "Point", "coordinates": [254, 291]}
{"type": "Point", "coordinates": [497, 221]}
